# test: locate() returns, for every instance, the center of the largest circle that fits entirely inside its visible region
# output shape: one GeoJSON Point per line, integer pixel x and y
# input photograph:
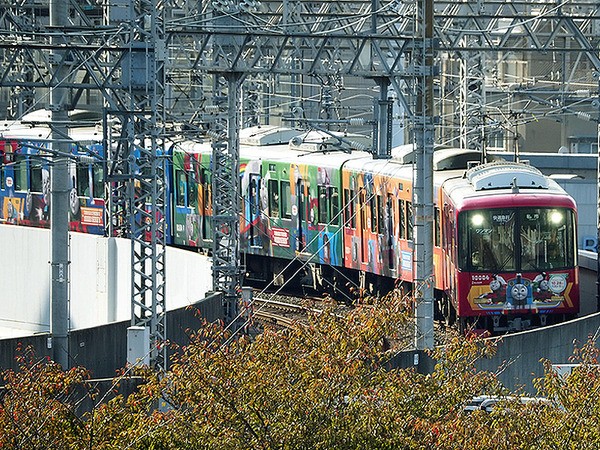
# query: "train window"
{"type": "Point", "coordinates": [372, 209]}
{"type": "Point", "coordinates": [436, 228]}
{"type": "Point", "coordinates": [446, 235]}
{"type": "Point", "coordinates": [192, 194]}
{"type": "Point", "coordinates": [181, 178]}
{"type": "Point", "coordinates": [97, 180]}
{"type": "Point", "coordinates": [349, 211]}
{"type": "Point", "coordinates": [380, 222]}
{"type": "Point", "coordinates": [391, 218]}
{"type": "Point", "coordinates": [352, 209]}
{"type": "Point", "coordinates": [322, 204]}
{"type": "Point", "coordinates": [253, 197]}
{"type": "Point", "coordinates": [334, 205]}
{"type": "Point", "coordinates": [362, 205]}
{"type": "Point", "coordinates": [273, 187]}
{"type": "Point", "coordinates": [375, 213]}
{"type": "Point", "coordinates": [20, 170]}
{"type": "Point", "coordinates": [206, 189]}
{"type": "Point", "coordinates": [286, 200]}
{"type": "Point", "coordinates": [409, 221]}
{"type": "Point", "coordinates": [35, 175]}
{"type": "Point", "coordinates": [464, 250]}
{"type": "Point", "coordinates": [489, 236]}
{"type": "Point", "coordinates": [310, 213]}
{"type": "Point", "coordinates": [402, 227]}
{"type": "Point", "coordinates": [545, 236]}
{"type": "Point", "coordinates": [83, 180]}
{"type": "Point", "coordinates": [347, 208]}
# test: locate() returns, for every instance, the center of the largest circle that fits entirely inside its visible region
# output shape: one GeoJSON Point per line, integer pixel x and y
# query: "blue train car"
{"type": "Point", "coordinates": [26, 155]}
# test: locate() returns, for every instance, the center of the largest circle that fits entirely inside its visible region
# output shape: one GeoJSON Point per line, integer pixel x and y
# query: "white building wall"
{"type": "Point", "coordinates": [585, 193]}
{"type": "Point", "coordinates": [100, 280]}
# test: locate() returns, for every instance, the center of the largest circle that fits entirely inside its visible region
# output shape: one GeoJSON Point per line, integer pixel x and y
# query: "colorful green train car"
{"type": "Point", "coordinates": [290, 220]}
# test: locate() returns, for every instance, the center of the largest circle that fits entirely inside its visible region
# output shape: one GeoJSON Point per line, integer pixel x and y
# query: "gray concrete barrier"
{"type": "Point", "coordinates": [103, 349]}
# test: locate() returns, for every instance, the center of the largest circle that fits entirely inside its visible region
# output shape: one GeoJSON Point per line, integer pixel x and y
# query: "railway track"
{"type": "Point", "coordinates": [279, 313]}
{"type": "Point", "coordinates": [284, 311]}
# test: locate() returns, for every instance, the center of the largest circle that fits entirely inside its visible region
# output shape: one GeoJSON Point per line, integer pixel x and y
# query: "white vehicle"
{"type": "Point", "coordinates": [488, 402]}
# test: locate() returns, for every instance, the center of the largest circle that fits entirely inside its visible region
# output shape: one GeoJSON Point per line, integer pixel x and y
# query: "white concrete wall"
{"type": "Point", "coordinates": [24, 281]}
{"type": "Point", "coordinates": [100, 280]}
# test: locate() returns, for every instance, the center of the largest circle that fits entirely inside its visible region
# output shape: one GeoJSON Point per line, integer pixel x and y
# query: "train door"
{"type": "Point", "coordinates": [363, 225]}
{"type": "Point", "coordinates": [301, 239]}
{"type": "Point", "coordinates": [389, 233]}
{"type": "Point", "coordinates": [204, 208]}
{"type": "Point", "coordinates": [253, 211]}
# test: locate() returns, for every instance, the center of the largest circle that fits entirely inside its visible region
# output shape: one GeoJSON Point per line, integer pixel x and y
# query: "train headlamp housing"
{"type": "Point", "coordinates": [477, 220]}
{"type": "Point", "coordinates": [556, 217]}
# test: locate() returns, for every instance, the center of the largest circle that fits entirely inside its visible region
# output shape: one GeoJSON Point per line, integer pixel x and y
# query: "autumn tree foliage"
{"type": "Point", "coordinates": [37, 407]}
{"type": "Point", "coordinates": [42, 407]}
{"type": "Point", "coordinates": [328, 383]}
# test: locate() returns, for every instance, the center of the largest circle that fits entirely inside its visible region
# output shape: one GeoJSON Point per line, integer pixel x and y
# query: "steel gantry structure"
{"type": "Point", "coordinates": [156, 66]}
{"type": "Point", "coordinates": [137, 161]}
{"type": "Point", "coordinates": [509, 63]}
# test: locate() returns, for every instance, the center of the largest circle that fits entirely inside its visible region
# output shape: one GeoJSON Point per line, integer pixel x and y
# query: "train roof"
{"type": "Point", "coordinates": [382, 167]}
{"type": "Point", "coordinates": [500, 178]}
{"type": "Point", "coordinates": [283, 153]}
{"type": "Point", "coordinates": [43, 133]}
{"type": "Point", "coordinates": [447, 162]}
{"type": "Point", "coordinates": [193, 146]}
{"type": "Point", "coordinates": [330, 141]}
{"type": "Point", "coordinates": [444, 158]}
{"type": "Point", "coordinates": [324, 149]}
{"type": "Point", "coordinates": [77, 117]}
{"type": "Point", "coordinates": [267, 135]}
{"type": "Point", "coordinates": [504, 175]}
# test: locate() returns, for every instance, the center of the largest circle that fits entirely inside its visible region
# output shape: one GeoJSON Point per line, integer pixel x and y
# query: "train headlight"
{"type": "Point", "coordinates": [556, 217]}
{"type": "Point", "coordinates": [477, 220]}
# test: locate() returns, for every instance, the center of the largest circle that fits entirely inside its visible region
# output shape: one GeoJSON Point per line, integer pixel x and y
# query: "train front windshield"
{"type": "Point", "coordinates": [519, 239]}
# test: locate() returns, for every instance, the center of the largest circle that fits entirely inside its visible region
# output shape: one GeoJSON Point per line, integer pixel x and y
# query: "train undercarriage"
{"type": "Point", "coordinates": [350, 286]}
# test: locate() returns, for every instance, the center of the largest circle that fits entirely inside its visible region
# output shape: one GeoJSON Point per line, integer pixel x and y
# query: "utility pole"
{"type": "Point", "coordinates": [147, 191]}
{"type": "Point", "coordinates": [423, 179]}
{"type": "Point", "coordinates": [472, 97]}
{"type": "Point", "coordinates": [59, 192]}
{"type": "Point", "coordinates": [383, 121]}
{"type": "Point", "coordinates": [226, 206]}
{"type": "Point", "coordinates": [225, 165]}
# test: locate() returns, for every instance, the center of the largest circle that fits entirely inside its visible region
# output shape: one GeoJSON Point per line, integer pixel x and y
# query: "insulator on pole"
{"type": "Point", "coordinates": [86, 159]}
{"type": "Point", "coordinates": [584, 116]}
{"type": "Point", "coordinates": [215, 135]}
{"type": "Point", "coordinates": [358, 146]}
{"type": "Point", "coordinates": [212, 109]}
{"type": "Point", "coordinates": [356, 121]}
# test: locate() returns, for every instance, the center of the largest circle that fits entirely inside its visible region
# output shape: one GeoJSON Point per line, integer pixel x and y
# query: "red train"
{"type": "Point", "coordinates": [508, 256]}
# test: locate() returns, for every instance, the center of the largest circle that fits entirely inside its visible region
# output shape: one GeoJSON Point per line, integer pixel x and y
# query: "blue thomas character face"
{"type": "Point", "coordinates": [519, 292]}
